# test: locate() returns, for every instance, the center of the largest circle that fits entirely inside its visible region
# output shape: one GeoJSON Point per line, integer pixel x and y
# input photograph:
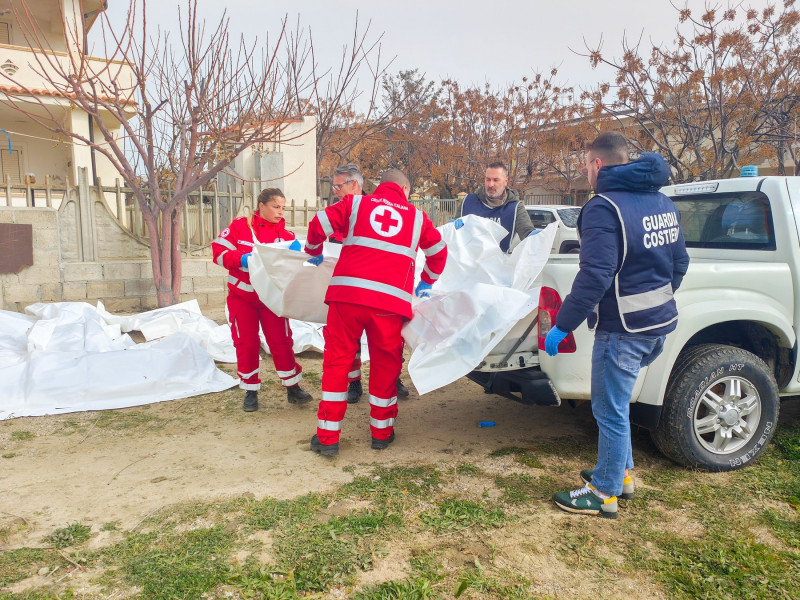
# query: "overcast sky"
{"type": "Point", "coordinates": [498, 41]}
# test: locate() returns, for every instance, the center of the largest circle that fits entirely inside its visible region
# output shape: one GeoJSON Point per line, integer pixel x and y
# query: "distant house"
{"type": "Point", "coordinates": [34, 151]}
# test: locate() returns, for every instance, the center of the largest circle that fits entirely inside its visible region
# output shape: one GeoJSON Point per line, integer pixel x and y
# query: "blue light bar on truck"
{"type": "Point", "coordinates": [749, 171]}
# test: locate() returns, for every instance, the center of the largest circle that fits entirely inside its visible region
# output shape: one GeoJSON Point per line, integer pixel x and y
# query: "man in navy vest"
{"type": "Point", "coordinates": [632, 259]}
{"type": "Point", "coordinates": [497, 202]}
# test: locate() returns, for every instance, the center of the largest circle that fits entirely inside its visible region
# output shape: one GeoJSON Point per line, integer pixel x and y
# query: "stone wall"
{"type": "Point", "coordinates": [122, 277]}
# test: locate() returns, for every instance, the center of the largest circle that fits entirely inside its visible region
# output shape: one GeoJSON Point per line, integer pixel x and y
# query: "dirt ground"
{"type": "Point", "coordinates": [122, 466]}
{"type": "Point", "coordinates": [97, 467]}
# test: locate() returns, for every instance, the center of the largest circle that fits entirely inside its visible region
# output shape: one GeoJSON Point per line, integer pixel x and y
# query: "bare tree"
{"type": "Point", "coordinates": [185, 110]}
{"type": "Point", "coordinates": [713, 101]}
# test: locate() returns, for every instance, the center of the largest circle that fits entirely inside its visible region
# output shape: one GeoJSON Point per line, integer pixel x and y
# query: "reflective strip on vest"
{"type": "Point", "coordinates": [380, 245]}
{"type": "Point", "coordinates": [430, 273]}
{"type": "Point", "coordinates": [435, 249]}
{"type": "Point", "coordinates": [381, 424]}
{"type": "Point", "coordinates": [218, 260]}
{"type": "Point", "coordinates": [418, 221]}
{"type": "Point", "coordinates": [374, 286]}
{"type": "Point", "coordinates": [224, 242]}
{"type": "Point", "coordinates": [334, 396]}
{"type": "Point", "coordinates": [354, 374]}
{"type": "Point", "coordinates": [329, 425]}
{"type": "Point", "coordinates": [353, 216]}
{"type": "Point", "coordinates": [245, 287]}
{"type": "Point", "coordinates": [247, 375]}
{"type": "Point", "coordinates": [645, 300]}
{"type": "Point", "coordinates": [382, 402]}
{"type": "Point", "coordinates": [327, 229]}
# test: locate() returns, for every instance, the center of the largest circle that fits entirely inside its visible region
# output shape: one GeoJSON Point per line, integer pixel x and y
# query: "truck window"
{"type": "Point", "coordinates": [736, 220]}
{"type": "Point", "coordinates": [541, 218]}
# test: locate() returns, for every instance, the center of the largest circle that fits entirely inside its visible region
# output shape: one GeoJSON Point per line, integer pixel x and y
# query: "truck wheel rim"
{"type": "Point", "coordinates": [727, 414]}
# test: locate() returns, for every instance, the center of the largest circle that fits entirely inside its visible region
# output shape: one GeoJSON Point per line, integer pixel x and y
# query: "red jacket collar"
{"type": "Point", "coordinates": [392, 190]}
{"type": "Point", "coordinates": [259, 221]}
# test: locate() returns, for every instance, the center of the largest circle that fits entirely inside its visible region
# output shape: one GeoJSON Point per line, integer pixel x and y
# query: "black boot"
{"type": "Point", "coordinates": [324, 449]}
{"type": "Point", "coordinates": [382, 444]}
{"type": "Point", "coordinates": [295, 395]}
{"type": "Point", "coordinates": [250, 401]}
{"type": "Point", "coordinates": [402, 391]}
{"type": "Point", "coordinates": [354, 391]}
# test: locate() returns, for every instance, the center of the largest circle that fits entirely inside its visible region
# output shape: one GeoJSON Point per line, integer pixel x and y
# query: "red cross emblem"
{"type": "Point", "coordinates": [385, 221]}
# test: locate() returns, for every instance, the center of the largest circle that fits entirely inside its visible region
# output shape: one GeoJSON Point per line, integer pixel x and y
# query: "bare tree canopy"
{"type": "Point", "coordinates": [172, 113]}
{"type": "Point", "coordinates": [726, 93]}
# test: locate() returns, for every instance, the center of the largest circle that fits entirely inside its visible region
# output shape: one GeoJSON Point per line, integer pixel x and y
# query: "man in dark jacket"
{"type": "Point", "coordinates": [497, 202]}
{"type": "Point", "coordinates": [632, 259]}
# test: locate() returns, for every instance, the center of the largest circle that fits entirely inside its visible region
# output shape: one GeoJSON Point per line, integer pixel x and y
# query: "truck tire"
{"type": "Point", "coordinates": [720, 408]}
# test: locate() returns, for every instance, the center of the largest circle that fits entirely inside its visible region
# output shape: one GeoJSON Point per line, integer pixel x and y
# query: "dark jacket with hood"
{"type": "Point", "coordinates": [633, 254]}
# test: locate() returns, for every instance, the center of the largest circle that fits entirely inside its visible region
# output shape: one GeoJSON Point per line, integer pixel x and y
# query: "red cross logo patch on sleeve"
{"type": "Point", "coordinates": [386, 221]}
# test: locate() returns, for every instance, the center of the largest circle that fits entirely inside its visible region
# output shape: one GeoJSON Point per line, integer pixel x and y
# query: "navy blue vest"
{"type": "Point", "coordinates": [643, 284]}
{"type": "Point", "coordinates": [506, 215]}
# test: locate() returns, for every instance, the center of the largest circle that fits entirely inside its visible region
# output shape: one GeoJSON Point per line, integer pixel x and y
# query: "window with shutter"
{"type": "Point", "coordinates": [12, 165]}
{"type": "Point", "coordinates": [5, 33]}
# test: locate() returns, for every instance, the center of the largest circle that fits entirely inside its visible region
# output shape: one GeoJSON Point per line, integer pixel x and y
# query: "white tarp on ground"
{"type": "Point", "coordinates": [64, 357]}
{"type": "Point", "coordinates": [481, 295]}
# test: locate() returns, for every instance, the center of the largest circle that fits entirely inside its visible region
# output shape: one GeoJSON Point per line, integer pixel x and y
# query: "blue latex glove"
{"type": "Point", "coordinates": [245, 257]}
{"type": "Point", "coordinates": [295, 245]}
{"type": "Point", "coordinates": [554, 337]}
{"type": "Point", "coordinates": [423, 289]}
{"type": "Point", "coordinates": [315, 260]}
{"type": "Point", "coordinates": [534, 232]}
{"type": "Point", "coordinates": [459, 223]}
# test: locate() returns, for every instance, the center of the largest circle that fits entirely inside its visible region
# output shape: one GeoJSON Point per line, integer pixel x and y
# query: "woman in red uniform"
{"type": "Point", "coordinates": [246, 312]}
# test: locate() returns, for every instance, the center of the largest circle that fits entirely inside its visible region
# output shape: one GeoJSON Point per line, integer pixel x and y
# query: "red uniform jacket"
{"type": "Point", "coordinates": [236, 240]}
{"type": "Point", "coordinates": [382, 233]}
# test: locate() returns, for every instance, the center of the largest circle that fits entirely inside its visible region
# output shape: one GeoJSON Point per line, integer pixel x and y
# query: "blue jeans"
{"type": "Point", "coordinates": [616, 361]}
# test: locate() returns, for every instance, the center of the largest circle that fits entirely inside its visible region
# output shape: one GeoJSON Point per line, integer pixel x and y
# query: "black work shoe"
{"type": "Point", "coordinates": [324, 449]}
{"type": "Point", "coordinates": [250, 401]}
{"type": "Point", "coordinates": [402, 391]}
{"type": "Point", "coordinates": [296, 395]}
{"type": "Point", "coordinates": [382, 444]}
{"type": "Point", "coordinates": [354, 391]}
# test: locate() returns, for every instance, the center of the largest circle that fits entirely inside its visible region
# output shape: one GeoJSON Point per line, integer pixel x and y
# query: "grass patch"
{"type": "Point", "coordinates": [129, 419]}
{"type": "Point", "coordinates": [72, 535]}
{"type": "Point", "coordinates": [415, 589]}
{"type": "Point", "coordinates": [453, 515]}
{"type": "Point", "coordinates": [469, 470]}
{"type": "Point", "coordinates": [16, 565]}
{"type": "Point", "coordinates": [524, 456]}
{"type": "Point", "coordinates": [22, 436]}
{"type": "Point", "coordinates": [312, 377]}
{"type": "Point", "coordinates": [10, 455]}
{"type": "Point", "coordinates": [173, 565]}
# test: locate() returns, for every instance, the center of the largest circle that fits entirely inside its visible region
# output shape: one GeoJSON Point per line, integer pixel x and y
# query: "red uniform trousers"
{"type": "Point", "coordinates": [346, 323]}
{"type": "Point", "coordinates": [246, 316]}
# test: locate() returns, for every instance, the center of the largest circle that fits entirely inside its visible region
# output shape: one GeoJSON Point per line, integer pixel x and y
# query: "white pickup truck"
{"type": "Point", "coordinates": [711, 400]}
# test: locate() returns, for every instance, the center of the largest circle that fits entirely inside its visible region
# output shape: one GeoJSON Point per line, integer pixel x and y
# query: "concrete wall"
{"type": "Point", "coordinates": [122, 277]}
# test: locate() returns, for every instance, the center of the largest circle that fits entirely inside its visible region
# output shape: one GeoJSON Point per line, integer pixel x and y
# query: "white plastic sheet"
{"type": "Point", "coordinates": [63, 357]}
{"type": "Point", "coordinates": [185, 317]}
{"type": "Point", "coordinates": [479, 298]}
{"type": "Point", "coordinates": [288, 285]}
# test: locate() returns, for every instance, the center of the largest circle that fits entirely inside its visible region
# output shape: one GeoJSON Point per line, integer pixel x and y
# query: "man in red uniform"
{"type": "Point", "coordinates": [370, 291]}
{"type": "Point", "coordinates": [246, 312]}
{"type": "Point", "coordinates": [348, 181]}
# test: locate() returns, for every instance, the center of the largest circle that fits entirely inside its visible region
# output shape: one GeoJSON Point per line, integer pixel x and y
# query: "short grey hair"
{"type": "Point", "coordinates": [350, 172]}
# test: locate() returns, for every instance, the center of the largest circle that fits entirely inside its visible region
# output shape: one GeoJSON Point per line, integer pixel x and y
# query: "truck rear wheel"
{"type": "Point", "coordinates": [720, 408]}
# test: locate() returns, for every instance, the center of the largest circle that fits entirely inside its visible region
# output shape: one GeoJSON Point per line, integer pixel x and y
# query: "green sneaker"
{"type": "Point", "coordinates": [586, 501]}
{"type": "Point", "coordinates": [628, 487]}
